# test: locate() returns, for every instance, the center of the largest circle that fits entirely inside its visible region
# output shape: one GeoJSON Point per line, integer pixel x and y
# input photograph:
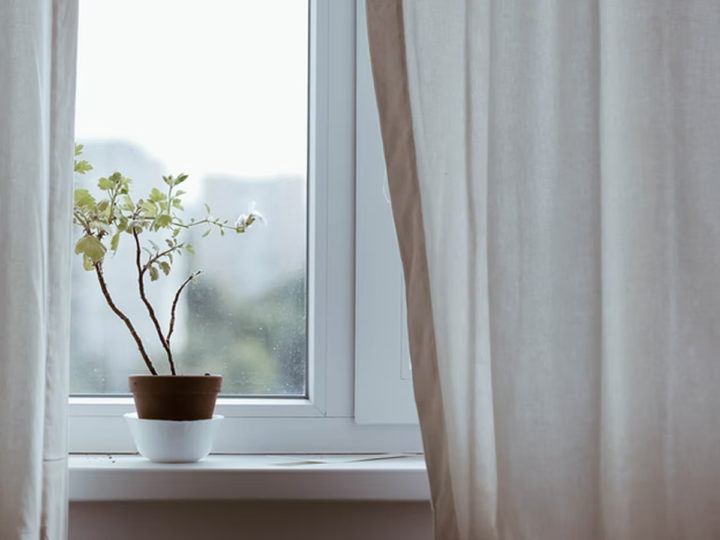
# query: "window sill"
{"type": "Point", "coordinates": [361, 477]}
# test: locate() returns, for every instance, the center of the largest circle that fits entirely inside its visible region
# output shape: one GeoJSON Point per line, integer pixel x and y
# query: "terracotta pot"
{"type": "Point", "coordinates": [175, 397]}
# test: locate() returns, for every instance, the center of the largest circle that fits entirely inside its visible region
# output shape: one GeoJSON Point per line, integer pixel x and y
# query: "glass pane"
{"type": "Point", "coordinates": [216, 89]}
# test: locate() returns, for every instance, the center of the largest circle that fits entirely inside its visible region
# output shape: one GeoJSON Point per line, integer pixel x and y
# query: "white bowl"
{"type": "Point", "coordinates": [170, 441]}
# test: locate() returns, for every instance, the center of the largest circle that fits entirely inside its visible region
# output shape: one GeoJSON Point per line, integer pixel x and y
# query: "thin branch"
{"type": "Point", "coordinates": [151, 311]}
{"type": "Point", "coordinates": [216, 222]}
{"type": "Point", "coordinates": [160, 255]}
{"type": "Point", "coordinates": [175, 303]}
{"type": "Point", "coordinates": [116, 310]}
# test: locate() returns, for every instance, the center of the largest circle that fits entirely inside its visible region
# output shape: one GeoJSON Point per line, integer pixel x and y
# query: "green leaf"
{"type": "Point", "coordinates": [115, 241]}
{"type": "Point", "coordinates": [190, 249]}
{"type": "Point", "coordinates": [156, 195]}
{"type": "Point", "coordinates": [82, 166]}
{"type": "Point", "coordinates": [162, 221]}
{"type": "Point", "coordinates": [87, 263]}
{"type": "Point", "coordinates": [91, 247]}
{"type": "Point", "coordinates": [180, 179]}
{"type": "Point", "coordinates": [165, 267]}
{"type": "Point", "coordinates": [127, 203]}
{"type": "Point", "coordinates": [207, 207]}
{"type": "Point", "coordinates": [206, 233]}
{"type": "Point", "coordinates": [84, 199]}
{"type": "Point", "coordinates": [154, 274]}
{"type": "Point", "coordinates": [149, 208]}
{"type": "Point", "coordinates": [100, 226]}
{"type": "Point", "coordinates": [105, 184]}
{"type": "Point", "coordinates": [177, 204]}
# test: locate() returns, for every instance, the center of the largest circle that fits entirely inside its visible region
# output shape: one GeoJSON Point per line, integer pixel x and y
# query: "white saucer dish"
{"type": "Point", "coordinates": [170, 441]}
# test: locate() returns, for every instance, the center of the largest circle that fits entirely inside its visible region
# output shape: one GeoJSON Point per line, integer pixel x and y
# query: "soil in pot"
{"type": "Point", "coordinates": [175, 397]}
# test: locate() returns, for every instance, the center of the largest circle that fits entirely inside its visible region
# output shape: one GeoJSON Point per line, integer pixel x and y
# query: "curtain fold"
{"type": "Point", "coordinates": [37, 93]}
{"type": "Point", "coordinates": [562, 161]}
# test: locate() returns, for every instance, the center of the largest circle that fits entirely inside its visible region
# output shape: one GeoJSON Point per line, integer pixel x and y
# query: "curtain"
{"type": "Point", "coordinates": [554, 171]}
{"type": "Point", "coordinates": [37, 93]}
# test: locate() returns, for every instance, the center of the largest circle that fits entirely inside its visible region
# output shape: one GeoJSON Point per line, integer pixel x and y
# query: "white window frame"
{"type": "Point", "coordinates": [325, 420]}
{"type": "Point", "coordinates": [383, 382]}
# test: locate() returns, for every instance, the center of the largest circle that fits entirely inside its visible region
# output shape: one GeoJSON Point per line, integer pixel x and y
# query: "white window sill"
{"type": "Point", "coordinates": [362, 477]}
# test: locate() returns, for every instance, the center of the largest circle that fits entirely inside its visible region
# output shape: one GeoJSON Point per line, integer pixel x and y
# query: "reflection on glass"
{"type": "Point", "coordinates": [216, 89]}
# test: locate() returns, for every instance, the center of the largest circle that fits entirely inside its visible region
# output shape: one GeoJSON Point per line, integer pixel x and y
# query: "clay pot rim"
{"type": "Point", "coordinates": [175, 397]}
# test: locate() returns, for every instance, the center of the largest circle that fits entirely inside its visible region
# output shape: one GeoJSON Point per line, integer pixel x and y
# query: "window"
{"type": "Point", "coordinates": [269, 414]}
{"type": "Point", "coordinates": [218, 90]}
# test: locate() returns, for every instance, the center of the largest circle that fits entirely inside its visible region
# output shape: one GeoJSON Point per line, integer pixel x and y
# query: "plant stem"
{"type": "Point", "coordinates": [160, 255]}
{"type": "Point", "coordinates": [175, 302]}
{"type": "Point", "coordinates": [151, 311]}
{"type": "Point", "coordinates": [206, 221]}
{"type": "Point", "coordinates": [123, 317]}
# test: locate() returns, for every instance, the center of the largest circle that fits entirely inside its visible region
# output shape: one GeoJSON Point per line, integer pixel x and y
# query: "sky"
{"type": "Point", "coordinates": [204, 86]}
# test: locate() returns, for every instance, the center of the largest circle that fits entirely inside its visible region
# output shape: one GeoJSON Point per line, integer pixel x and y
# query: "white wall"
{"type": "Point", "coordinates": [247, 520]}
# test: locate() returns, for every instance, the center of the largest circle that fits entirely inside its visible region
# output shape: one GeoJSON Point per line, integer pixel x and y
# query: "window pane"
{"type": "Point", "coordinates": [216, 89]}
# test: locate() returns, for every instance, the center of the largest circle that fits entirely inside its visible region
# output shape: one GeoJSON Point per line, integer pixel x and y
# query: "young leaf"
{"type": "Point", "coordinates": [105, 184]}
{"type": "Point", "coordinates": [154, 275]}
{"type": "Point", "coordinates": [100, 226]}
{"type": "Point", "coordinates": [127, 203]}
{"type": "Point", "coordinates": [91, 247]}
{"type": "Point", "coordinates": [87, 263]}
{"type": "Point", "coordinates": [190, 249]}
{"type": "Point", "coordinates": [115, 241]}
{"type": "Point", "coordinates": [162, 221]}
{"type": "Point", "coordinates": [149, 208]}
{"type": "Point", "coordinates": [83, 198]}
{"type": "Point", "coordinates": [82, 166]}
{"type": "Point", "coordinates": [156, 195]}
{"type": "Point", "coordinates": [165, 267]}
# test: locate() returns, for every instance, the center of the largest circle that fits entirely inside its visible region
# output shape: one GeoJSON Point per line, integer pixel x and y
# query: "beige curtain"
{"type": "Point", "coordinates": [37, 93]}
{"type": "Point", "coordinates": [554, 171]}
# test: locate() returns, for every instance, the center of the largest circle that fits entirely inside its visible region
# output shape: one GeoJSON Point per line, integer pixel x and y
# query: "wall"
{"type": "Point", "coordinates": [246, 520]}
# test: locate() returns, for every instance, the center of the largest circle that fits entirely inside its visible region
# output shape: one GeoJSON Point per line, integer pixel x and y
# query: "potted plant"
{"type": "Point", "coordinates": [114, 215]}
